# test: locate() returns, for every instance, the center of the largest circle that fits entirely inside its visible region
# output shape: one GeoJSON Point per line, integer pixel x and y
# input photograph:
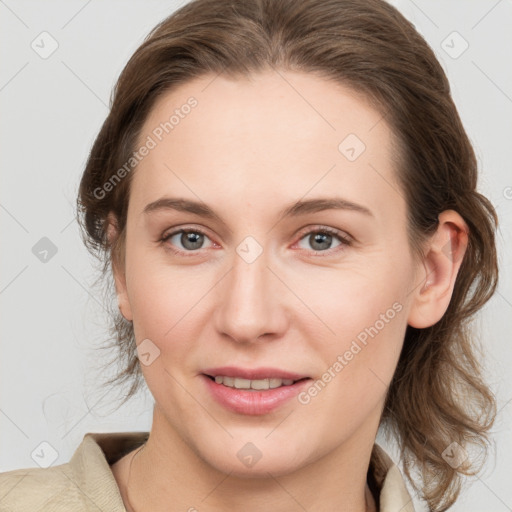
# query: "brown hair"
{"type": "Point", "coordinates": [437, 396]}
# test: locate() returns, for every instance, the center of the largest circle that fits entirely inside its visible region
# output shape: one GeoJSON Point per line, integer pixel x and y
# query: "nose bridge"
{"type": "Point", "coordinates": [249, 305]}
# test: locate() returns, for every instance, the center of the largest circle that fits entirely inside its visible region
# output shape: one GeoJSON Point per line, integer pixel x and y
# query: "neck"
{"type": "Point", "coordinates": [185, 482]}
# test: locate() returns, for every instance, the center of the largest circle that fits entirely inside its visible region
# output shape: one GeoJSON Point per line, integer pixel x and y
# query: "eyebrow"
{"type": "Point", "coordinates": [301, 207]}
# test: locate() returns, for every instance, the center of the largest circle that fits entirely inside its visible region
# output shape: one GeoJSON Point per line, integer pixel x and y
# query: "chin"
{"type": "Point", "coordinates": [246, 459]}
{"type": "Point", "coordinates": [273, 465]}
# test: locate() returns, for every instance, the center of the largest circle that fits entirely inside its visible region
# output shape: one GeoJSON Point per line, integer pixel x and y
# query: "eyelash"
{"type": "Point", "coordinates": [345, 241]}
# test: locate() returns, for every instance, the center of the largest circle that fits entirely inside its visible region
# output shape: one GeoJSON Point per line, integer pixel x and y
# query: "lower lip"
{"type": "Point", "coordinates": [253, 402]}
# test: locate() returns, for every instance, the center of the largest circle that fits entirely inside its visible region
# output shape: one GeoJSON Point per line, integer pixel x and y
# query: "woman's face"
{"type": "Point", "coordinates": [296, 265]}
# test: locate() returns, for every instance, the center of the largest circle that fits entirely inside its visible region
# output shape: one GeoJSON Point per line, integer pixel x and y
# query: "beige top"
{"type": "Point", "coordinates": [86, 483]}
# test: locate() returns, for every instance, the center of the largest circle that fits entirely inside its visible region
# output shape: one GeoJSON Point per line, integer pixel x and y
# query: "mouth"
{"type": "Point", "coordinates": [253, 391]}
{"type": "Point", "coordinates": [253, 384]}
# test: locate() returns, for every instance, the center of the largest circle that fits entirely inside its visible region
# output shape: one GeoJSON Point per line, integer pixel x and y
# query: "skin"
{"type": "Point", "coordinates": [250, 148]}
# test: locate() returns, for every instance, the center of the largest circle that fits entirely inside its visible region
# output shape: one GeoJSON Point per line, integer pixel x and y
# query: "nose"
{"type": "Point", "coordinates": [251, 302]}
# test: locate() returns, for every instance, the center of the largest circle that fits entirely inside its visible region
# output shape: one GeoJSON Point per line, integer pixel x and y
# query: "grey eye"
{"type": "Point", "coordinates": [319, 240]}
{"type": "Point", "coordinates": [188, 240]}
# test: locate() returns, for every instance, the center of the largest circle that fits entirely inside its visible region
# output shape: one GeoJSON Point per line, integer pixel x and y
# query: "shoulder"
{"type": "Point", "coordinates": [84, 484]}
{"type": "Point", "coordinates": [24, 490]}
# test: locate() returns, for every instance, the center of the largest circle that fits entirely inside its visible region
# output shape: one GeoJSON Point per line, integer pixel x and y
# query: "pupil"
{"type": "Point", "coordinates": [321, 238]}
{"type": "Point", "coordinates": [191, 240]}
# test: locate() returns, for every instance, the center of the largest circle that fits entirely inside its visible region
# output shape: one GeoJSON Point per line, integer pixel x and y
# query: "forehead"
{"type": "Point", "coordinates": [282, 134]}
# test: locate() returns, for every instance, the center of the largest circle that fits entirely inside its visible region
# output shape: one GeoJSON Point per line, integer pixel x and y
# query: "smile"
{"type": "Point", "coordinates": [256, 384]}
{"type": "Point", "coordinates": [253, 391]}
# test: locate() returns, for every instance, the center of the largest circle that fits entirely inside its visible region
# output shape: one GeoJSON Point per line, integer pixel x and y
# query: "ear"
{"type": "Point", "coordinates": [443, 257]}
{"type": "Point", "coordinates": [118, 268]}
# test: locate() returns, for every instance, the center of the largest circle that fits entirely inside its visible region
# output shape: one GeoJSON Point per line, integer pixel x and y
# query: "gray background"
{"type": "Point", "coordinates": [52, 314]}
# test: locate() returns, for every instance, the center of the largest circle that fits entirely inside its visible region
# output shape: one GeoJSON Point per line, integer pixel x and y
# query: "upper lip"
{"type": "Point", "coordinates": [253, 373]}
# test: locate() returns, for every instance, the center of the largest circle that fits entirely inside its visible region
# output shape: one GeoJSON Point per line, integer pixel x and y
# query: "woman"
{"type": "Point", "coordinates": [287, 200]}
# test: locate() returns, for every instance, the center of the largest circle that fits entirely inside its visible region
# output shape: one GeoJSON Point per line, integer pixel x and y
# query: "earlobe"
{"type": "Point", "coordinates": [117, 271]}
{"type": "Point", "coordinates": [443, 257]}
{"type": "Point", "coordinates": [122, 298]}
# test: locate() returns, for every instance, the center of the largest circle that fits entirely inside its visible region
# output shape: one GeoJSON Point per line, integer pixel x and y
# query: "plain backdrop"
{"type": "Point", "coordinates": [59, 61]}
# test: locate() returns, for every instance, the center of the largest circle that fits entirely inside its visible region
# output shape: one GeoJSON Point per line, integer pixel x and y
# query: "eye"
{"type": "Point", "coordinates": [321, 239]}
{"type": "Point", "coordinates": [190, 240]}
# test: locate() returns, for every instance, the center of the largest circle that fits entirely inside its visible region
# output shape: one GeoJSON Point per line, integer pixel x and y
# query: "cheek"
{"type": "Point", "coordinates": [349, 302]}
{"type": "Point", "coordinates": [168, 306]}
{"type": "Point", "coordinates": [364, 319]}
{"type": "Point", "coordinates": [368, 340]}
{"type": "Point", "coordinates": [159, 293]}
{"type": "Point", "coordinates": [358, 366]}
{"type": "Point", "coordinates": [165, 308]}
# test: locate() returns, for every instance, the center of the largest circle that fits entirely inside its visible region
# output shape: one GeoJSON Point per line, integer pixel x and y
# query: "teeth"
{"type": "Point", "coordinates": [242, 383]}
{"type": "Point", "coordinates": [259, 384]}
{"type": "Point", "coordinates": [274, 383]}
